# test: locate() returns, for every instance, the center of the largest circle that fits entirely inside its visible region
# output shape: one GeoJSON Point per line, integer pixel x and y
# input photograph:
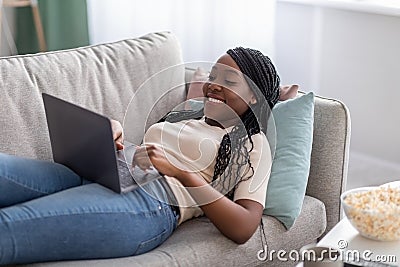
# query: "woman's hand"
{"type": "Point", "coordinates": [147, 156]}
{"type": "Point", "coordinates": [288, 91]}
{"type": "Point", "coordinates": [237, 220]}
{"type": "Point", "coordinates": [118, 134]}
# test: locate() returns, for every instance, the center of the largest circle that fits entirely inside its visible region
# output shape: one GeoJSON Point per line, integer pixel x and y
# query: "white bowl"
{"type": "Point", "coordinates": [373, 213]}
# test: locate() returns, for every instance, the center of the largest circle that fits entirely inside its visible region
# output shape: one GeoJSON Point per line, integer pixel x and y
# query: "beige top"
{"type": "Point", "coordinates": [194, 144]}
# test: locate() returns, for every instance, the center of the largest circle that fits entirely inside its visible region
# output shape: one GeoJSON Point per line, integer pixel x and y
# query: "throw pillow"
{"type": "Point", "coordinates": [294, 119]}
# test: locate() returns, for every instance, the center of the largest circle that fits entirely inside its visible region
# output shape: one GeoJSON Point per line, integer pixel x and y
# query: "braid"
{"type": "Point", "coordinates": [230, 166]}
{"type": "Point", "coordinates": [259, 72]}
{"type": "Point", "coordinates": [264, 81]}
{"type": "Point", "coordinates": [227, 166]}
{"type": "Point", "coordinates": [175, 116]}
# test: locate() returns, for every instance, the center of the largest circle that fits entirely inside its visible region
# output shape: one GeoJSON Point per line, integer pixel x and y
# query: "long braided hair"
{"type": "Point", "coordinates": [233, 154]}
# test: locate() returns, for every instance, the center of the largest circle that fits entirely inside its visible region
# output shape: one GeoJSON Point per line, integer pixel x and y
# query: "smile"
{"type": "Point", "coordinates": [214, 100]}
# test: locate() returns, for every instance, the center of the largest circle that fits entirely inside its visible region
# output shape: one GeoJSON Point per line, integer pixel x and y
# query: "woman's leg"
{"type": "Point", "coordinates": [84, 222]}
{"type": "Point", "coordinates": [23, 179]}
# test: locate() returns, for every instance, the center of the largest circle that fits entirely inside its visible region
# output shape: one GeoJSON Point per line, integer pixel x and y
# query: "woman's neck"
{"type": "Point", "coordinates": [223, 125]}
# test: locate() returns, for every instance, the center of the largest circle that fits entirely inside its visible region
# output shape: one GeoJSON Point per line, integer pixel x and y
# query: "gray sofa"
{"type": "Point", "coordinates": [104, 78]}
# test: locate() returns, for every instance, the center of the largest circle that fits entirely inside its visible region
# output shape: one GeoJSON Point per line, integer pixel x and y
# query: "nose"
{"type": "Point", "coordinates": [214, 87]}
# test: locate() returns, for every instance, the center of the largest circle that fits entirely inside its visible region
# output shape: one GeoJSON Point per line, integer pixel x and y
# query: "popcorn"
{"type": "Point", "coordinates": [375, 213]}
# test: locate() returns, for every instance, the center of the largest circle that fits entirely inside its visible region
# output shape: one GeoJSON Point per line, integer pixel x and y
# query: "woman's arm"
{"type": "Point", "coordinates": [236, 220]}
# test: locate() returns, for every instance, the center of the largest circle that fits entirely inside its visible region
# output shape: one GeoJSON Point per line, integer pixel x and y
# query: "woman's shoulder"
{"type": "Point", "coordinates": [260, 145]}
{"type": "Point", "coordinates": [259, 139]}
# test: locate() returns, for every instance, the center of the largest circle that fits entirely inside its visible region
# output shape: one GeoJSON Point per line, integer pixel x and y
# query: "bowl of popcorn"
{"type": "Point", "coordinates": [374, 211]}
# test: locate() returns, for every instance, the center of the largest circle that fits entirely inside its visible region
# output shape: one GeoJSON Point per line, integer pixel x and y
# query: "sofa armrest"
{"type": "Point", "coordinates": [329, 156]}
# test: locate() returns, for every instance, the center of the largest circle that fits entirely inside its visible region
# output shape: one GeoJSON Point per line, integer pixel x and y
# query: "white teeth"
{"type": "Point", "coordinates": [214, 100]}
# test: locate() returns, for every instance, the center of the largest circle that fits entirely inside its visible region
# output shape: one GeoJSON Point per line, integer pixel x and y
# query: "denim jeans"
{"type": "Point", "coordinates": [47, 213]}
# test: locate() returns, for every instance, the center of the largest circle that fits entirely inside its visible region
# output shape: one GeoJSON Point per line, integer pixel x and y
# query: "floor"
{"type": "Point", "coordinates": [367, 171]}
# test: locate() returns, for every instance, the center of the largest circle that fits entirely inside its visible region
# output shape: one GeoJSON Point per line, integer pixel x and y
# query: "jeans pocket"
{"type": "Point", "coordinates": [152, 243]}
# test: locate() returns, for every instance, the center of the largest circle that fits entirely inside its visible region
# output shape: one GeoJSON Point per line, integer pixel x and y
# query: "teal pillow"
{"type": "Point", "coordinates": [294, 119]}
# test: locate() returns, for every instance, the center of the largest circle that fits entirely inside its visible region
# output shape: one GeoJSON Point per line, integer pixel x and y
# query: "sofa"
{"type": "Point", "coordinates": [104, 78]}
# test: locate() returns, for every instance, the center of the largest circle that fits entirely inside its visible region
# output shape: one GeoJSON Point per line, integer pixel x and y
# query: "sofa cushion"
{"type": "Point", "coordinates": [103, 78]}
{"type": "Point", "coordinates": [198, 241]}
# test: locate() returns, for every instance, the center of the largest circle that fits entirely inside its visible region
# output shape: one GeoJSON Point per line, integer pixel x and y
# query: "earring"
{"type": "Point", "coordinates": [253, 101]}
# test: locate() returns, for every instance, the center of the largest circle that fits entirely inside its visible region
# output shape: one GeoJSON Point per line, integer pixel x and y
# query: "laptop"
{"type": "Point", "coordinates": [82, 140]}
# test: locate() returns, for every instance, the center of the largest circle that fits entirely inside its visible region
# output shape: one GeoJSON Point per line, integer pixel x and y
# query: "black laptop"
{"type": "Point", "coordinates": [82, 140]}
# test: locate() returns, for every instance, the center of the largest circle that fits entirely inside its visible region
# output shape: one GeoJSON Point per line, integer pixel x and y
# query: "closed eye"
{"type": "Point", "coordinates": [230, 83]}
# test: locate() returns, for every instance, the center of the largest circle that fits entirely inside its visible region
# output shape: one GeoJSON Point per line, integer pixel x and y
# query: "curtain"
{"type": "Point", "coordinates": [205, 28]}
{"type": "Point", "coordinates": [64, 22]}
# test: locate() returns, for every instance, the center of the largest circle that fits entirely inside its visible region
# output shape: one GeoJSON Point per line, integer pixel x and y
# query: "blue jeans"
{"type": "Point", "coordinates": [48, 213]}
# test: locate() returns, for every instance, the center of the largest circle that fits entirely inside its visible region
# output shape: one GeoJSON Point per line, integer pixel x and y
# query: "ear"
{"type": "Point", "coordinates": [253, 100]}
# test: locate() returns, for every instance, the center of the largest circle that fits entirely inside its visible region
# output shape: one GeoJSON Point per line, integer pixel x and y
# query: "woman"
{"type": "Point", "coordinates": [48, 213]}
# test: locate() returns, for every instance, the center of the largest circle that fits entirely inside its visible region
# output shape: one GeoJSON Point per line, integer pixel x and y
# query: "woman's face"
{"type": "Point", "coordinates": [227, 94]}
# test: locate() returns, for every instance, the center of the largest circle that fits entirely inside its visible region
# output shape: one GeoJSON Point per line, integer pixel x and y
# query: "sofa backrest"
{"type": "Point", "coordinates": [103, 78]}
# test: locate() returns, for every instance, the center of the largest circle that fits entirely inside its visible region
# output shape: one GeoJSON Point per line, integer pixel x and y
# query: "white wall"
{"type": "Point", "coordinates": [352, 56]}
{"type": "Point", "coordinates": [205, 29]}
{"type": "Point", "coordinates": [294, 44]}
{"type": "Point", "coordinates": [361, 65]}
{"type": "Point", "coordinates": [8, 23]}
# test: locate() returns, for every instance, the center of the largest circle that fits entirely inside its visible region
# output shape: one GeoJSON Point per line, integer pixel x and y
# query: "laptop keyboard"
{"type": "Point", "coordinates": [125, 175]}
{"type": "Point", "coordinates": [139, 176]}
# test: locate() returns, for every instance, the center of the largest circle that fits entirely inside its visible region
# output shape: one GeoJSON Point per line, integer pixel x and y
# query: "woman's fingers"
{"type": "Point", "coordinates": [119, 145]}
{"type": "Point", "coordinates": [116, 128]}
{"type": "Point", "coordinates": [118, 134]}
{"type": "Point", "coordinates": [142, 157]}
